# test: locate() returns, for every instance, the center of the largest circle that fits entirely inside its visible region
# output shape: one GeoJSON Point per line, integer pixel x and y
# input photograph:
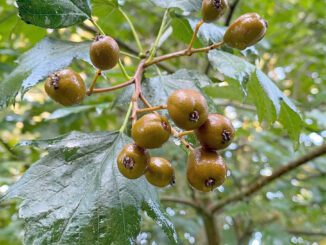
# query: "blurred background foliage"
{"type": "Point", "coordinates": [290, 211]}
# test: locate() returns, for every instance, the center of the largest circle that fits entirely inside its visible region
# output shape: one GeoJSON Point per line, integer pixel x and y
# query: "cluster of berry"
{"type": "Point", "coordinates": [67, 87]}
{"type": "Point", "coordinates": [188, 109]}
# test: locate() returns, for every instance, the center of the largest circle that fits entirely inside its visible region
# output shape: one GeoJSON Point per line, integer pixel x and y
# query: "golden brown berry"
{"type": "Point", "coordinates": [104, 52]}
{"type": "Point", "coordinates": [213, 9]}
{"type": "Point", "coordinates": [245, 31]}
{"type": "Point", "coordinates": [65, 87]}
{"type": "Point", "coordinates": [132, 161]}
{"type": "Point", "coordinates": [216, 133]}
{"type": "Point", "coordinates": [151, 131]}
{"type": "Point", "coordinates": [160, 172]}
{"type": "Point", "coordinates": [187, 108]}
{"type": "Point", "coordinates": [206, 170]}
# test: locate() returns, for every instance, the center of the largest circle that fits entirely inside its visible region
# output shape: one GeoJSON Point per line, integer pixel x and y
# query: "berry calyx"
{"type": "Point", "coordinates": [206, 169]}
{"type": "Point", "coordinates": [216, 133]}
{"type": "Point", "coordinates": [187, 108]}
{"type": "Point", "coordinates": [151, 131]}
{"type": "Point", "coordinates": [160, 172]}
{"type": "Point", "coordinates": [213, 9]}
{"type": "Point", "coordinates": [132, 161]}
{"type": "Point", "coordinates": [245, 31]}
{"type": "Point", "coordinates": [104, 52]}
{"type": "Point", "coordinates": [65, 87]}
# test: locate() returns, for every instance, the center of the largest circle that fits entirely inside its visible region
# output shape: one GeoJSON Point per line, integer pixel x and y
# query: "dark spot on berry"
{"type": "Point", "coordinates": [210, 182]}
{"type": "Point", "coordinates": [128, 163]}
{"type": "Point", "coordinates": [165, 125]}
{"type": "Point", "coordinates": [217, 3]}
{"type": "Point", "coordinates": [226, 136]}
{"type": "Point", "coordinates": [55, 81]}
{"type": "Point", "coordinates": [172, 183]}
{"type": "Point", "coordinates": [194, 116]}
{"type": "Point", "coordinates": [98, 37]}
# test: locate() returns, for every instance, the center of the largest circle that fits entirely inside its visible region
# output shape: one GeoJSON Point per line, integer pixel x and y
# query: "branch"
{"type": "Point", "coordinates": [181, 53]}
{"type": "Point", "coordinates": [181, 201]}
{"type": "Point", "coordinates": [237, 105]}
{"type": "Point", "coordinates": [124, 46]}
{"type": "Point", "coordinates": [263, 181]}
{"type": "Point", "coordinates": [307, 233]}
{"type": "Point", "coordinates": [134, 100]}
{"type": "Point", "coordinates": [9, 149]}
{"type": "Point", "coordinates": [102, 90]}
{"type": "Point", "coordinates": [230, 15]}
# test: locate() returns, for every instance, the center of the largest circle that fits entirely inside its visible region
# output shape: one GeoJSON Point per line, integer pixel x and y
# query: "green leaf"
{"type": "Point", "coordinates": [157, 89]}
{"type": "Point", "coordinates": [287, 113]}
{"type": "Point", "coordinates": [182, 30]}
{"type": "Point", "coordinates": [54, 13]}
{"type": "Point", "coordinates": [209, 32]}
{"type": "Point", "coordinates": [231, 66]}
{"type": "Point", "coordinates": [185, 5]}
{"type": "Point", "coordinates": [266, 110]}
{"type": "Point", "coordinates": [292, 121]}
{"type": "Point", "coordinates": [76, 194]}
{"type": "Point", "coordinates": [44, 58]}
{"type": "Point", "coordinates": [64, 112]}
{"type": "Point", "coordinates": [270, 102]}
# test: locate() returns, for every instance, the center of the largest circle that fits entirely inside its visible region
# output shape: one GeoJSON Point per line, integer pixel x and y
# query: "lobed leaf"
{"type": "Point", "coordinates": [64, 112]}
{"type": "Point", "coordinates": [46, 57]}
{"type": "Point", "coordinates": [185, 5]}
{"type": "Point", "coordinates": [54, 13]}
{"type": "Point", "coordinates": [76, 194]}
{"type": "Point", "coordinates": [270, 102]}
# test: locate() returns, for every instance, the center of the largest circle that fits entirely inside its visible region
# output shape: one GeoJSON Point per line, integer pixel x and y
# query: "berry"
{"type": "Point", "coordinates": [160, 172]}
{"type": "Point", "coordinates": [206, 170]}
{"type": "Point", "coordinates": [104, 52]}
{"type": "Point", "coordinates": [216, 133]}
{"type": "Point", "coordinates": [187, 108]}
{"type": "Point", "coordinates": [132, 161]}
{"type": "Point", "coordinates": [65, 87]}
{"type": "Point", "coordinates": [245, 31]}
{"type": "Point", "coordinates": [151, 131]}
{"type": "Point", "coordinates": [213, 9]}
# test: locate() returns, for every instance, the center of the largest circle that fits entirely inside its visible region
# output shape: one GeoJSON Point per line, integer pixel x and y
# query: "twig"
{"type": "Point", "coordinates": [237, 105]}
{"type": "Point", "coordinates": [231, 12]}
{"type": "Point", "coordinates": [184, 133]}
{"type": "Point", "coordinates": [137, 92]}
{"type": "Point", "coordinates": [263, 181]}
{"type": "Point", "coordinates": [91, 88]}
{"type": "Point", "coordinates": [181, 53]}
{"type": "Point", "coordinates": [123, 70]}
{"type": "Point", "coordinates": [125, 121]}
{"type": "Point", "coordinates": [182, 140]}
{"type": "Point", "coordinates": [126, 47]}
{"type": "Point", "coordinates": [194, 36]}
{"type": "Point", "coordinates": [159, 35]}
{"type": "Point", "coordinates": [151, 109]}
{"type": "Point", "coordinates": [8, 148]}
{"type": "Point", "coordinates": [103, 90]}
{"type": "Point", "coordinates": [307, 233]}
{"type": "Point", "coordinates": [187, 202]}
{"type": "Point", "coordinates": [133, 30]}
